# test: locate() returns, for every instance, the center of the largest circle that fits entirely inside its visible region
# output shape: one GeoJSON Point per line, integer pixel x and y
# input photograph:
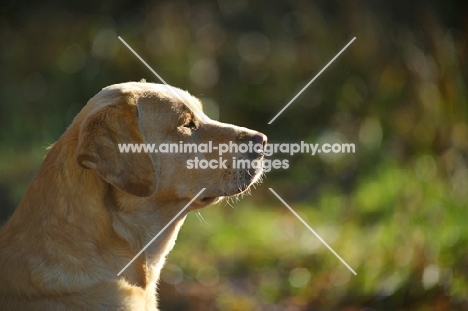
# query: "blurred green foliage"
{"type": "Point", "coordinates": [260, 257]}
{"type": "Point", "coordinates": [395, 210]}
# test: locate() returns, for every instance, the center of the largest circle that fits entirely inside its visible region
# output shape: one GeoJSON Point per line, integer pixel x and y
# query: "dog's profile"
{"type": "Point", "coordinates": [91, 208]}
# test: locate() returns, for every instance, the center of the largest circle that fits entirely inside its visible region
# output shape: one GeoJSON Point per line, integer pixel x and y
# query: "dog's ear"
{"type": "Point", "coordinates": [98, 149]}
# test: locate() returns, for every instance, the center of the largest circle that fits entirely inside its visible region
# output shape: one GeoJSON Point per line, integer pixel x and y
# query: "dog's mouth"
{"type": "Point", "coordinates": [243, 185]}
{"type": "Point", "coordinates": [210, 200]}
{"type": "Point", "coordinates": [205, 201]}
{"type": "Point", "coordinates": [243, 180]}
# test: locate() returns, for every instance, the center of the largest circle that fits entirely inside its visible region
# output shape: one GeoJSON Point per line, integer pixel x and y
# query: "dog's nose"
{"type": "Point", "coordinates": [260, 138]}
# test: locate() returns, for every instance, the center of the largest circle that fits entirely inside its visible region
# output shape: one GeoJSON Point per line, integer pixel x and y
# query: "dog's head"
{"type": "Point", "coordinates": [171, 121]}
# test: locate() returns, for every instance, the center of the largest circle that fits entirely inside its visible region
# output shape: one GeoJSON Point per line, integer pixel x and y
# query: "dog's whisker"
{"type": "Point", "coordinates": [228, 202]}
{"type": "Point", "coordinates": [112, 192]}
{"type": "Point", "coordinates": [200, 217]}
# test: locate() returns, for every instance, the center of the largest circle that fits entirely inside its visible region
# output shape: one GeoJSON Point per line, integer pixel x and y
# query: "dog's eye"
{"type": "Point", "coordinates": [191, 125]}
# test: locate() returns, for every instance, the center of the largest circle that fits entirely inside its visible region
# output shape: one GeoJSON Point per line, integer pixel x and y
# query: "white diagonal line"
{"type": "Point", "coordinates": [159, 77]}
{"type": "Point", "coordinates": [143, 61]}
{"type": "Point", "coordinates": [162, 230]}
{"type": "Point", "coordinates": [313, 79]}
{"type": "Point", "coordinates": [313, 231]}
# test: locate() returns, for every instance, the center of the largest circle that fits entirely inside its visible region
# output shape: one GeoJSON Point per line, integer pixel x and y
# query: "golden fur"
{"type": "Point", "coordinates": [90, 209]}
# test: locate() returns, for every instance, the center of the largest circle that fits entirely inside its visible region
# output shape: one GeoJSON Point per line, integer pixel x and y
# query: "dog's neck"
{"type": "Point", "coordinates": [97, 225]}
{"type": "Point", "coordinates": [140, 227]}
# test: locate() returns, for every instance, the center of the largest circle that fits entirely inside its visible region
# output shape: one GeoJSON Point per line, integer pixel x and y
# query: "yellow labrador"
{"type": "Point", "coordinates": [91, 208]}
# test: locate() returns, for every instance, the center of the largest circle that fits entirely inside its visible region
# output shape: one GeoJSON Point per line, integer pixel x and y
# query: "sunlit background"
{"type": "Point", "coordinates": [396, 210]}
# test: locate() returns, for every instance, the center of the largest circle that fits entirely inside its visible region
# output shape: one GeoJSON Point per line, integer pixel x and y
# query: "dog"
{"type": "Point", "coordinates": [91, 208]}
